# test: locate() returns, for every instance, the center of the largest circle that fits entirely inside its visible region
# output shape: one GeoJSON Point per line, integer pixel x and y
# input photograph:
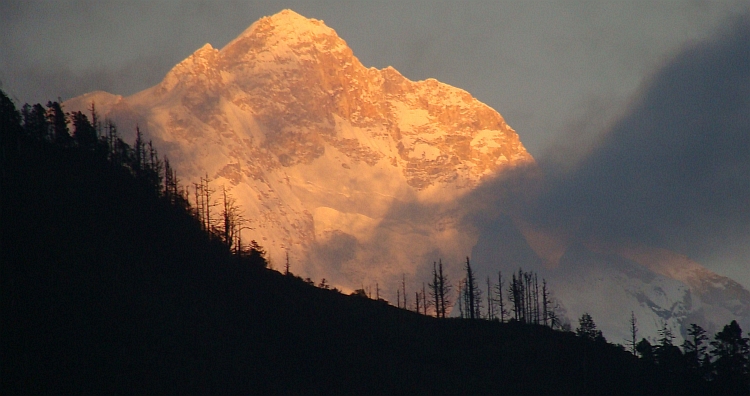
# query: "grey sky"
{"type": "Point", "coordinates": [674, 170]}
{"type": "Point", "coordinates": [544, 65]}
{"type": "Point", "coordinates": [562, 73]}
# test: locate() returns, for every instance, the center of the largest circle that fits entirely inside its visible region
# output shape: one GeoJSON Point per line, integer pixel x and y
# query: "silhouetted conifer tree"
{"type": "Point", "coordinates": [587, 328]}
{"type": "Point", "coordinates": [58, 121]}
{"type": "Point", "coordinates": [257, 254]}
{"type": "Point", "coordinates": [170, 182]}
{"type": "Point", "coordinates": [95, 122]}
{"type": "Point", "coordinates": [113, 141]}
{"type": "Point", "coordinates": [694, 347]}
{"type": "Point", "coordinates": [139, 153]}
{"type": "Point", "coordinates": [646, 350]}
{"type": "Point", "coordinates": [731, 352]}
{"type": "Point", "coordinates": [35, 123]}
{"type": "Point", "coordinates": [154, 169]}
{"type": "Point", "coordinates": [84, 133]}
{"type": "Point", "coordinates": [667, 354]}
{"type": "Point", "coordinates": [10, 126]}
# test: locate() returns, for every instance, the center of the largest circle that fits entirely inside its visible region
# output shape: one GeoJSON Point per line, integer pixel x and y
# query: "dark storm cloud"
{"type": "Point", "coordinates": [673, 171]}
{"type": "Point", "coordinates": [676, 169]}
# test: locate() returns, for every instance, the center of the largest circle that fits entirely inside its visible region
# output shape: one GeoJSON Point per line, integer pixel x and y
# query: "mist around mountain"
{"type": "Point", "coordinates": [112, 283]}
{"type": "Point", "coordinates": [366, 178]}
{"type": "Point", "coordinates": [662, 195]}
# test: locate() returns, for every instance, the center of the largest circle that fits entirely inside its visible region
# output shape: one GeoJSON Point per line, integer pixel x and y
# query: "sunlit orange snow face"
{"type": "Point", "coordinates": [332, 162]}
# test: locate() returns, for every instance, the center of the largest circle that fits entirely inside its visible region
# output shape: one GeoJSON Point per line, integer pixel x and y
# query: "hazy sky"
{"type": "Point", "coordinates": [567, 75]}
{"type": "Point", "coordinates": [546, 66]}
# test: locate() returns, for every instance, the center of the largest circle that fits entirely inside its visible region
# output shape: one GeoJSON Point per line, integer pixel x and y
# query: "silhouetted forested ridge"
{"type": "Point", "coordinates": [109, 285]}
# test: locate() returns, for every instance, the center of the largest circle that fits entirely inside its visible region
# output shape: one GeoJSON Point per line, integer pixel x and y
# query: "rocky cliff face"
{"type": "Point", "coordinates": [357, 174]}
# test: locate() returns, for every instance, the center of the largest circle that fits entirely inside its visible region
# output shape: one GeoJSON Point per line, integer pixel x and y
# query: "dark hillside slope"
{"type": "Point", "coordinates": [108, 289]}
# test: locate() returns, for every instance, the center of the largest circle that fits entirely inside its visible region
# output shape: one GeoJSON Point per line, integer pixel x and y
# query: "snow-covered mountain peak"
{"type": "Point", "coordinates": [285, 37]}
{"type": "Point", "coordinates": [286, 25]}
{"type": "Point", "coordinates": [305, 89]}
{"type": "Point", "coordinates": [322, 152]}
{"type": "Point", "coordinates": [357, 172]}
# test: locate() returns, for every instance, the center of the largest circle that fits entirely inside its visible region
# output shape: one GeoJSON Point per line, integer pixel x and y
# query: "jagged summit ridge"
{"type": "Point", "coordinates": [287, 27]}
{"type": "Point", "coordinates": [291, 72]}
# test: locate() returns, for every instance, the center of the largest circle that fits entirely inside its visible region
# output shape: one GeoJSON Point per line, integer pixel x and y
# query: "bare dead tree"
{"type": "Point", "coordinates": [435, 289]}
{"type": "Point", "coordinates": [207, 203]}
{"type": "Point", "coordinates": [632, 343]}
{"type": "Point", "coordinates": [286, 266]}
{"type": "Point", "coordinates": [527, 296]}
{"type": "Point", "coordinates": [537, 311]}
{"type": "Point", "coordinates": [198, 189]}
{"type": "Point", "coordinates": [440, 289]}
{"type": "Point", "coordinates": [95, 122]}
{"type": "Point", "coordinates": [232, 220]}
{"type": "Point", "coordinates": [554, 320]}
{"type": "Point", "coordinates": [500, 299]}
{"type": "Point", "coordinates": [403, 286]}
{"type": "Point", "coordinates": [515, 295]}
{"type": "Point", "coordinates": [445, 290]}
{"type": "Point", "coordinates": [545, 303]}
{"type": "Point", "coordinates": [490, 301]}
{"type": "Point", "coordinates": [154, 168]}
{"type": "Point", "coordinates": [472, 293]}
{"type": "Point", "coordinates": [462, 296]}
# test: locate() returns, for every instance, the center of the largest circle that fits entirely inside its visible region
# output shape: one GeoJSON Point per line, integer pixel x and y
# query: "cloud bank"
{"type": "Point", "coordinates": [673, 171]}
